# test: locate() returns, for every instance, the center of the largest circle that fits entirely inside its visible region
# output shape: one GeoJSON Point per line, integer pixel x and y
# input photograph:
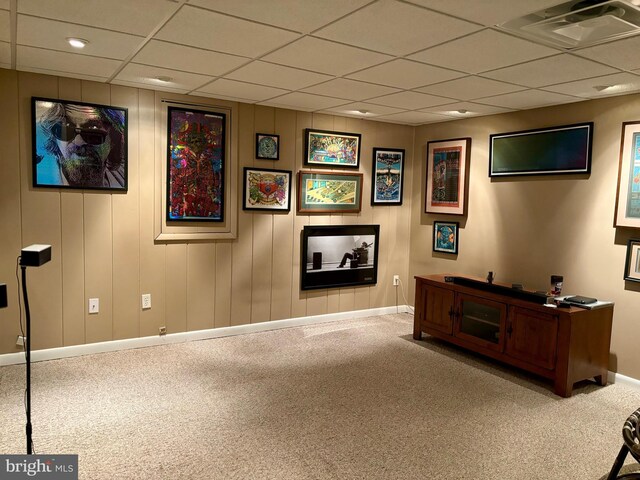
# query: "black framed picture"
{"type": "Point", "coordinates": [388, 175]}
{"type": "Point", "coordinates": [79, 145]}
{"type": "Point", "coordinates": [632, 264]}
{"type": "Point", "coordinates": [267, 146]}
{"type": "Point", "coordinates": [445, 237]}
{"type": "Point", "coordinates": [267, 189]}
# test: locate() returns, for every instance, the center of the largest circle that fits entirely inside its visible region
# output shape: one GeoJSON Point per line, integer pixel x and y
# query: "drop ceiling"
{"type": "Point", "coordinates": [410, 62]}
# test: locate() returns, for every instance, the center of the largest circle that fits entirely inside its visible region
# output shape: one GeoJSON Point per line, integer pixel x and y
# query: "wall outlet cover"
{"type": "Point", "coordinates": [94, 305]}
{"type": "Point", "coordinates": [146, 301]}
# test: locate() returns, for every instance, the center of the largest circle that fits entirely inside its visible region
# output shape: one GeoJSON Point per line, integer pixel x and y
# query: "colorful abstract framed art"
{"type": "Point", "coordinates": [632, 265]}
{"type": "Point", "coordinates": [267, 146]}
{"type": "Point", "coordinates": [388, 175]}
{"type": "Point", "coordinates": [196, 142]}
{"type": "Point", "coordinates": [627, 212]}
{"type": "Point", "coordinates": [267, 189]}
{"type": "Point", "coordinates": [332, 149]}
{"type": "Point", "coordinates": [445, 237]}
{"type": "Point", "coordinates": [446, 177]}
{"type": "Point", "coordinates": [327, 192]}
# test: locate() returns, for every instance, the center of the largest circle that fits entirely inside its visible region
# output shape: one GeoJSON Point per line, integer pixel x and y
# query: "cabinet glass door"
{"type": "Point", "coordinates": [481, 321]}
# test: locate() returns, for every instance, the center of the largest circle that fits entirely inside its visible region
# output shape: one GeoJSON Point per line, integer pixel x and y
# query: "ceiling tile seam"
{"type": "Point", "coordinates": [202, 48]}
{"type": "Point", "coordinates": [406, 59]}
{"type": "Point", "coordinates": [61, 73]}
{"type": "Point", "coordinates": [13, 31]}
{"type": "Point", "coordinates": [343, 17]}
{"type": "Point", "coordinates": [451, 40]}
{"type": "Point", "coordinates": [462, 78]}
{"type": "Point", "coordinates": [110, 30]}
{"type": "Point", "coordinates": [174, 69]}
{"type": "Point", "coordinates": [594, 61]}
{"type": "Point", "coordinates": [586, 78]}
{"type": "Point", "coordinates": [48, 49]}
{"type": "Point", "coordinates": [147, 39]}
{"type": "Point", "coordinates": [441, 13]}
{"type": "Point", "coordinates": [497, 29]}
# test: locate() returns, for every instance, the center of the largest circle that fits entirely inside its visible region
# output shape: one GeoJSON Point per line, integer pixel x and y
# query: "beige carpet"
{"type": "Point", "coordinates": [356, 399]}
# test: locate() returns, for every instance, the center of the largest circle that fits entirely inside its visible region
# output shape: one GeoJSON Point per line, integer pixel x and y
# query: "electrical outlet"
{"type": "Point", "coordinates": [162, 331]}
{"type": "Point", "coordinates": [94, 305]}
{"type": "Point", "coordinates": [146, 301]}
{"type": "Point", "coordinates": [21, 341]}
{"type": "Point", "coordinates": [396, 280]}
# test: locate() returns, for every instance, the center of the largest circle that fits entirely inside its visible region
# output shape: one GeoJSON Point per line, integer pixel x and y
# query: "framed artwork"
{"type": "Point", "coordinates": [267, 189]}
{"type": "Point", "coordinates": [445, 237]}
{"type": "Point", "coordinates": [195, 165]}
{"type": "Point", "coordinates": [78, 145]}
{"type": "Point", "coordinates": [446, 182]}
{"type": "Point", "coordinates": [627, 212]}
{"type": "Point", "coordinates": [326, 192]}
{"type": "Point", "coordinates": [632, 265]}
{"type": "Point", "coordinates": [388, 175]}
{"type": "Point", "coordinates": [267, 146]}
{"type": "Point", "coordinates": [333, 149]}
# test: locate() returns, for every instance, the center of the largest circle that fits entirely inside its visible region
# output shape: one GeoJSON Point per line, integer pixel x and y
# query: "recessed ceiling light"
{"type": "Point", "coordinates": [163, 79]}
{"type": "Point", "coordinates": [602, 88]}
{"type": "Point", "coordinates": [363, 112]}
{"type": "Point", "coordinates": [462, 111]}
{"type": "Point", "coordinates": [77, 42]}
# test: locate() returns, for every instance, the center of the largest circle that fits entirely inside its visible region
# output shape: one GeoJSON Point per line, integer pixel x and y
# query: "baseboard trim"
{"type": "Point", "coordinates": [127, 344]}
{"type": "Point", "coordinates": [614, 377]}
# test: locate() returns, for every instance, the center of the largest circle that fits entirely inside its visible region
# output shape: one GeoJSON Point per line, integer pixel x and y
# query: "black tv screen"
{"type": "Point", "coordinates": [555, 150]}
{"type": "Point", "coordinates": [336, 256]}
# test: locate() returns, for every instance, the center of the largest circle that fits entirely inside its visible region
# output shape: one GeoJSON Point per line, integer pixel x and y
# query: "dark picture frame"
{"type": "Point", "coordinates": [632, 263]}
{"type": "Point", "coordinates": [335, 256]}
{"type": "Point", "coordinates": [331, 149]}
{"type": "Point", "coordinates": [627, 212]}
{"type": "Point", "coordinates": [447, 183]}
{"type": "Point", "coordinates": [329, 192]}
{"type": "Point", "coordinates": [196, 151]}
{"type": "Point", "coordinates": [445, 237]}
{"type": "Point", "coordinates": [388, 176]}
{"type": "Point", "coordinates": [564, 149]}
{"type": "Point", "coordinates": [266, 189]}
{"type": "Point", "coordinates": [78, 145]}
{"type": "Point", "coordinates": [267, 146]}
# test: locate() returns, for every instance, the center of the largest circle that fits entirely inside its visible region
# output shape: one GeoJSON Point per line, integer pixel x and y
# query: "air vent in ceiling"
{"type": "Point", "coordinates": [579, 23]}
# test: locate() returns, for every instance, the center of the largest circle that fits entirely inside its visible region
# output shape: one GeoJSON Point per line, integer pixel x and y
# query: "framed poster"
{"type": "Point", "coordinates": [267, 146]}
{"type": "Point", "coordinates": [388, 175]}
{"type": "Point", "coordinates": [267, 189]}
{"type": "Point", "coordinates": [627, 212]}
{"type": "Point", "coordinates": [195, 165]}
{"type": "Point", "coordinates": [332, 149]}
{"type": "Point", "coordinates": [445, 237]}
{"type": "Point", "coordinates": [326, 192]}
{"type": "Point", "coordinates": [78, 145]}
{"type": "Point", "coordinates": [446, 179]}
{"type": "Point", "coordinates": [632, 265]}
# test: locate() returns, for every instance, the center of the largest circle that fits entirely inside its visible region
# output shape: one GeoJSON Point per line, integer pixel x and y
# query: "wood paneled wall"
{"type": "Point", "coordinates": [103, 243]}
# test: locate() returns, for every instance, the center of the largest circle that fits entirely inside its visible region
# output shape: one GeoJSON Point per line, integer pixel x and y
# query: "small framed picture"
{"type": "Point", "coordinates": [267, 146]}
{"type": "Point", "coordinates": [388, 173]}
{"type": "Point", "coordinates": [445, 237]}
{"type": "Point", "coordinates": [331, 149]}
{"type": "Point", "coordinates": [632, 266]}
{"type": "Point", "coordinates": [267, 189]}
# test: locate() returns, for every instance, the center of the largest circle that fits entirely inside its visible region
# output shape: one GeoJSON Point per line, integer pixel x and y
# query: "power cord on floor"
{"type": "Point", "coordinates": [411, 311]}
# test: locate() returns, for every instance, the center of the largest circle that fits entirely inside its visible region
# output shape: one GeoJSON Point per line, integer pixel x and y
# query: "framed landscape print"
{"type": "Point", "coordinates": [388, 175]}
{"type": "Point", "coordinates": [326, 192]}
{"type": "Point", "coordinates": [445, 237]}
{"type": "Point", "coordinates": [332, 149]}
{"type": "Point", "coordinates": [446, 179]}
{"type": "Point", "coordinates": [195, 165]}
{"type": "Point", "coordinates": [632, 266]}
{"type": "Point", "coordinates": [267, 189]}
{"type": "Point", "coordinates": [267, 146]}
{"type": "Point", "coordinates": [628, 194]}
{"type": "Point", "coordinates": [78, 145]}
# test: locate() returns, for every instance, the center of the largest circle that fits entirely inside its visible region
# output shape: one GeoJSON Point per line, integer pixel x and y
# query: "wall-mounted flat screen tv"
{"type": "Point", "coordinates": [339, 256]}
{"type": "Point", "coordinates": [547, 151]}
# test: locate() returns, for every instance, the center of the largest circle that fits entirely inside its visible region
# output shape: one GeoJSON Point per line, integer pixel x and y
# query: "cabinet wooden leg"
{"type": "Point", "coordinates": [417, 334]}
{"type": "Point", "coordinates": [563, 388]}
{"type": "Point", "coordinates": [601, 379]}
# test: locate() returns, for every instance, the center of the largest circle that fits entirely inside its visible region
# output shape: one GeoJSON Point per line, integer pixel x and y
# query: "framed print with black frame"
{"type": "Point", "coordinates": [627, 212]}
{"type": "Point", "coordinates": [79, 145]}
{"type": "Point", "coordinates": [446, 179]}
{"type": "Point", "coordinates": [268, 190]}
{"type": "Point", "coordinates": [331, 149]}
{"type": "Point", "coordinates": [632, 264]}
{"type": "Point", "coordinates": [388, 176]}
{"type": "Point", "coordinates": [445, 237]}
{"type": "Point", "coordinates": [329, 192]}
{"type": "Point", "coordinates": [267, 146]}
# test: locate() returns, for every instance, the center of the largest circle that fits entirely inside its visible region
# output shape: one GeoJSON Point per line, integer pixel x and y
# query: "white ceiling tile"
{"type": "Point", "coordinates": [189, 59]}
{"type": "Point", "coordinates": [528, 99]}
{"type": "Point", "coordinates": [355, 109]}
{"type": "Point", "coordinates": [5, 54]}
{"type": "Point", "coordinates": [304, 101]}
{"type": "Point", "coordinates": [472, 109]}
{"type": "Point", "coordinates": [213, 31]}
{"type": "Point", "coordinates": [350, 89]}
{"type": "Point", "coordinates": [5, 4]}
{"type": "Point", "coordinates": [405, 74]}
{"type": "Point", "coordinates": [249, 91]}
{"type": "Point", "coordinates": [551, 70]}
{"type": "Point", "coordinates": [482, 51]}
{"type": "Point", "coordinates": [487, 12]}
{"type": "Point", "coordinates": [468, 88]}
{"type": "Point", "coordinates": [396, 28]}
{"type": "Point", "coordinates": [51, 34]}
{"type": "Point", "coordinates": [410, 100]}
{"type": "Point", "coordinates": [139, 17]}
{"type": "Point", "coordinates": [298, 15]}
{"type": "Point", "coordinates": [414, 118]}
{"type": "Point", "coordinates": [49, 61]}
{"type": "Point", "coordinates": [5, 26]}
{"type": "Point", "coordinates": [277, 75]}
{"type": "Point", "coordinates": [620, 83]}
{"type": "Point", "coordinates": [145, 75]}
{"type": "Point", "coordinates": [622, 54]}
{"type": "Point", "coordinates": [325, 57]}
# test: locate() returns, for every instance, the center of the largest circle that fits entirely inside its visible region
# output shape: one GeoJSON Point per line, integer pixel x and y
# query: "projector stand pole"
{"type": "Point", "coordinates": [28, 355]}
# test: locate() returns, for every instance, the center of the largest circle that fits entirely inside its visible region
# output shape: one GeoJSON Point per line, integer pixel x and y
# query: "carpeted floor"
{"type": "Point", "coordinates": [357, 399]}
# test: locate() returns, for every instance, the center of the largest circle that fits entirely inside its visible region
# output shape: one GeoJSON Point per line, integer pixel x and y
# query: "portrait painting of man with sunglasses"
{"type": "Point", "coordinates": [79, 145]}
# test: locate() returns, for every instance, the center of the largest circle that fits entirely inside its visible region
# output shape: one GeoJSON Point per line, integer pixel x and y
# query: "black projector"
{"type": "Point", "coordinates": [3, 295]}
{"type": "Point", "coordinates": [35, 255]}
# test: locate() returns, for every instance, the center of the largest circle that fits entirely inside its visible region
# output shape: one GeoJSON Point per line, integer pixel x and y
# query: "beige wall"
{"type": "Point", "coordinates": [526, 229]}
{"type": "Point", "coordinates": [103, 243]}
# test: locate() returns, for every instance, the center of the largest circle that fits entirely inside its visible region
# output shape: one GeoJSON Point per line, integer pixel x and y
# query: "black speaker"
{"type": "Point", "coordinates": [317, 261]}
{"type": "Point", "coordinates": [3, 295]}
